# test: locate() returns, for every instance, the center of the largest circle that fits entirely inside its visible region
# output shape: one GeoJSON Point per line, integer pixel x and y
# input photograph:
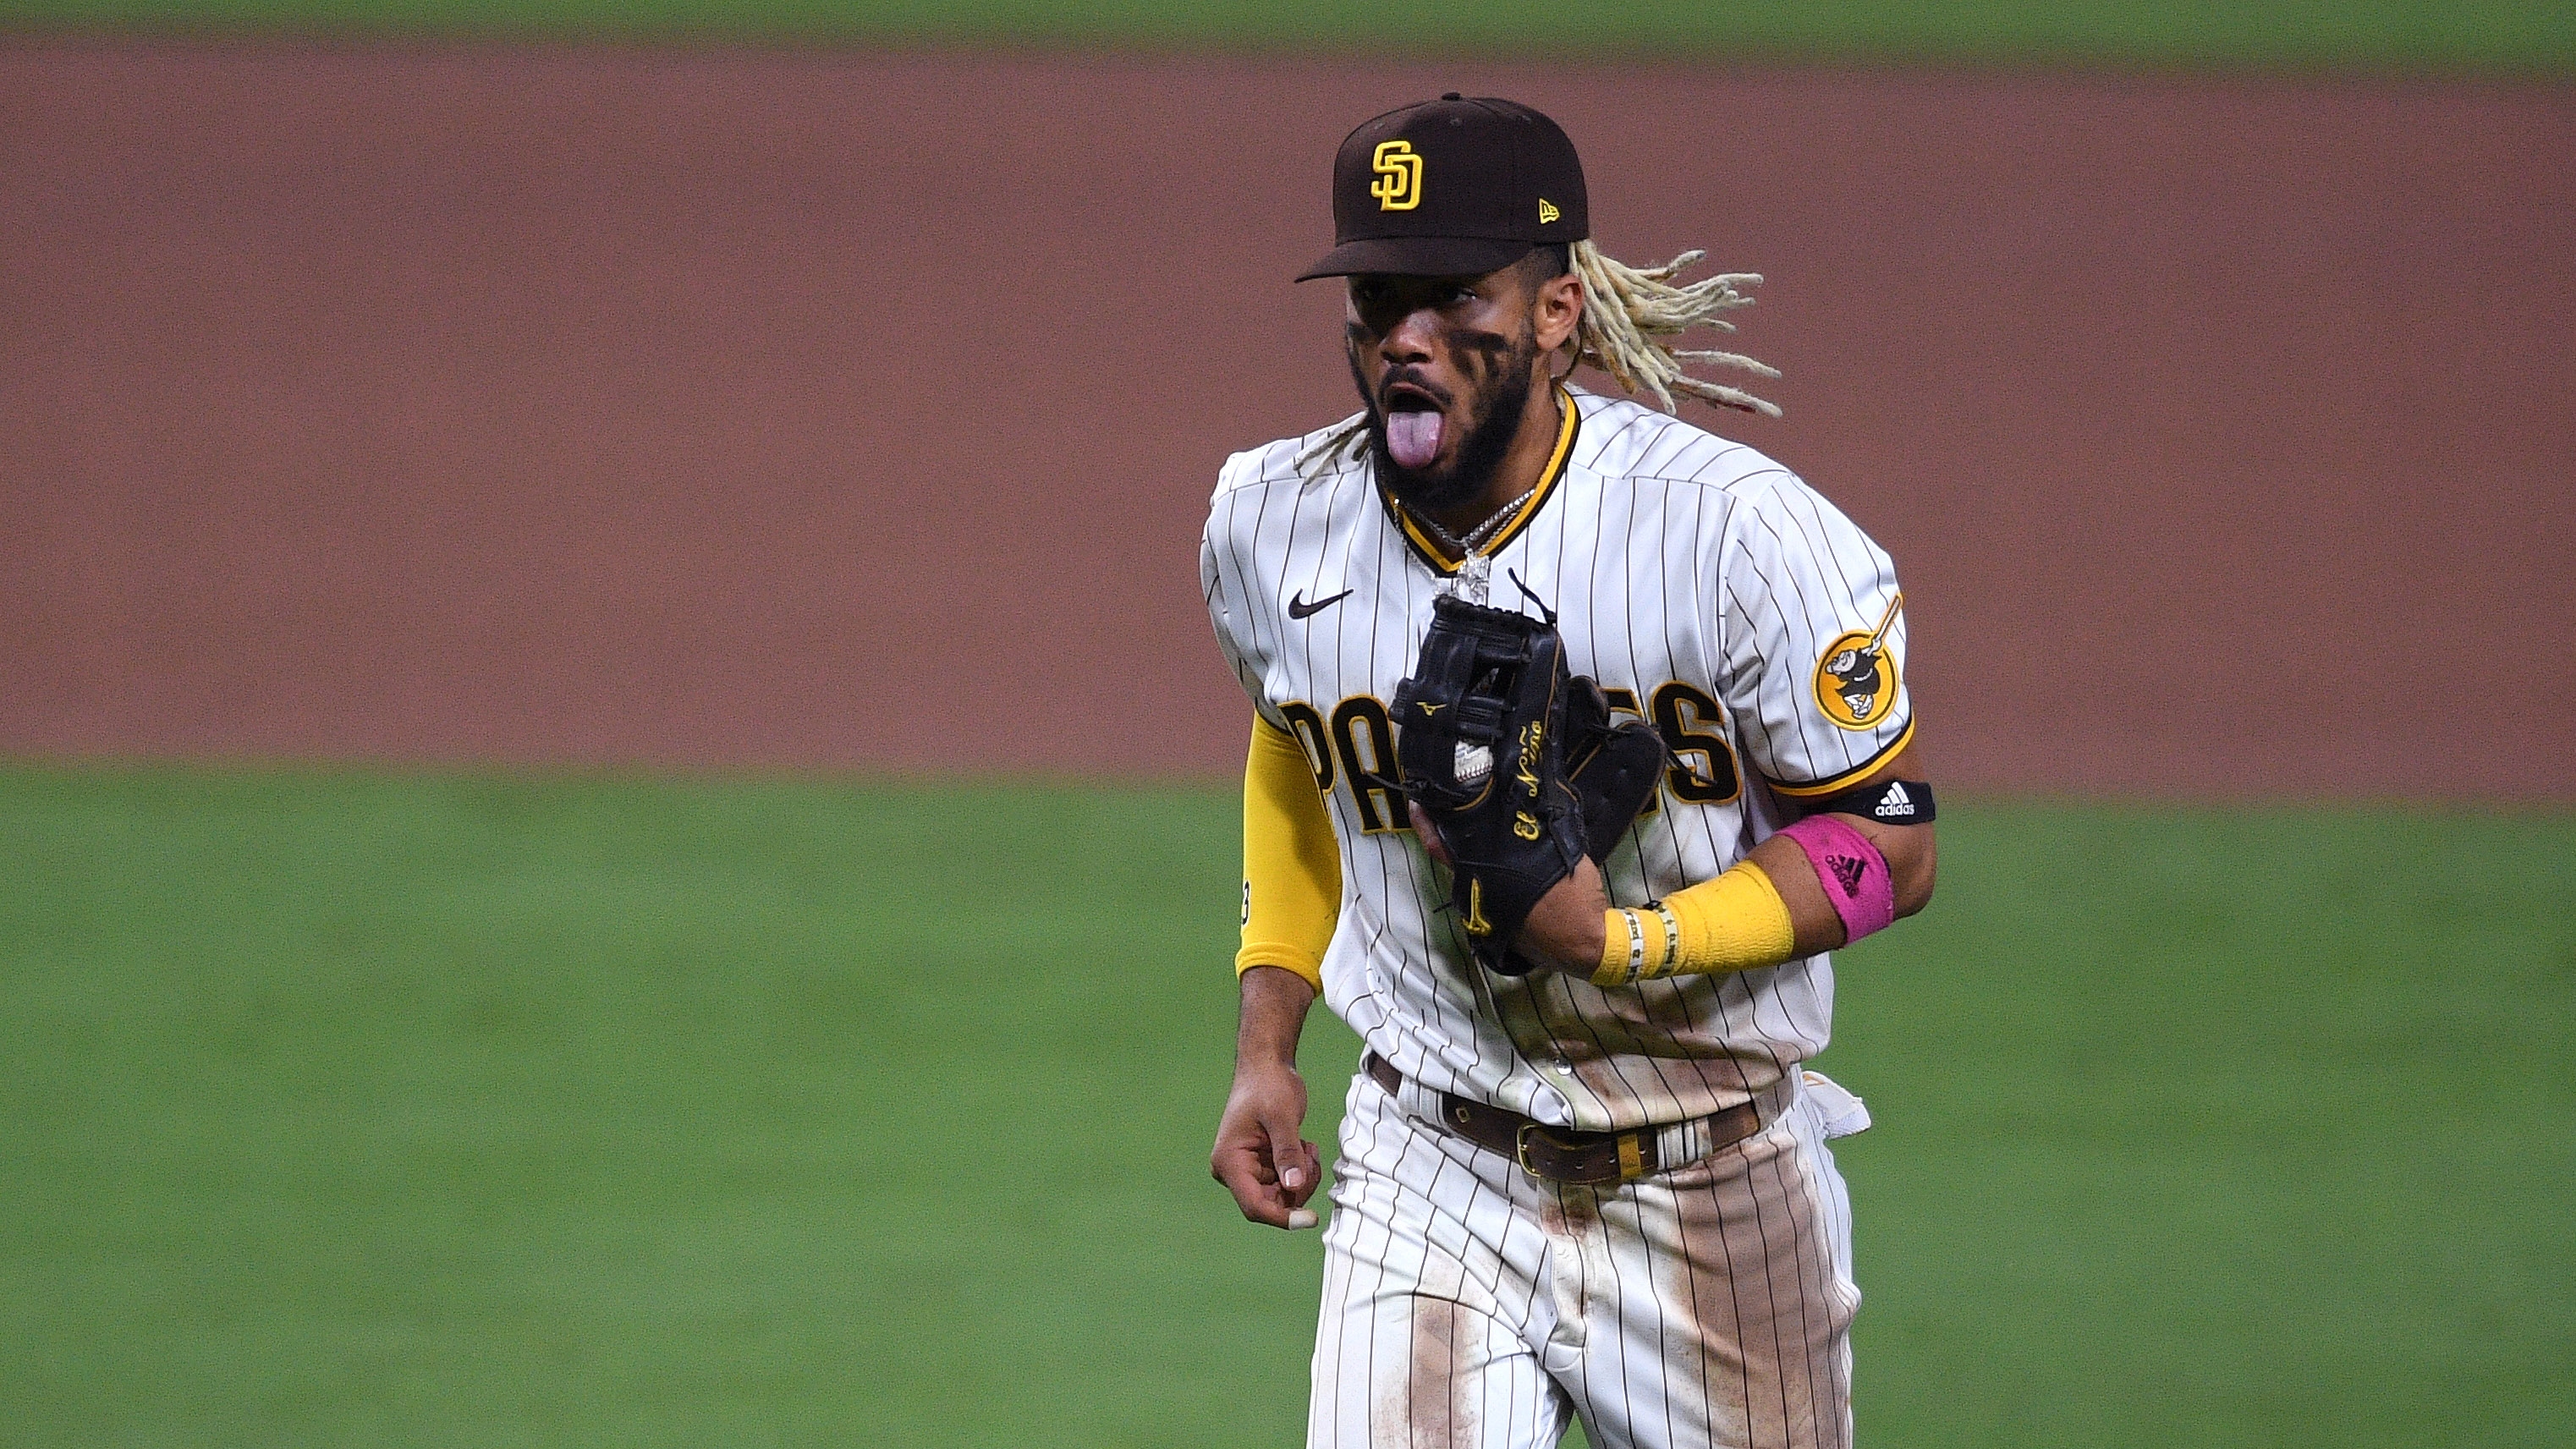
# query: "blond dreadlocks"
{"type": "Point", "coordinates": [1632, 316]}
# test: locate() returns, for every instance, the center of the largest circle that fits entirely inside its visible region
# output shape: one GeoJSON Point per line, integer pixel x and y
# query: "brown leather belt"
{"type": "Point", "coordinates": [1565, 1154]}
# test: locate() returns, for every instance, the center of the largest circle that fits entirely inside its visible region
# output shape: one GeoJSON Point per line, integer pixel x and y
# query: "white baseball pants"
{"type": "Point", "coordinates": [1468, 1305]}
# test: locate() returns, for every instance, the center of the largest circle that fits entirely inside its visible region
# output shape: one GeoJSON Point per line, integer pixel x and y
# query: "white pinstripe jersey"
{"type": "Point", "coordinates": [1708, 589]}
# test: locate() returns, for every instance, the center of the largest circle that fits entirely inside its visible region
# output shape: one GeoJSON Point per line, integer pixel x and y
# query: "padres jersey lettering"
{"type": "Point", "coordinates": [1711, 592]}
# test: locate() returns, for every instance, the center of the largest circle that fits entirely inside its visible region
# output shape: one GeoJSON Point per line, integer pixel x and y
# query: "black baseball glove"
{"type": "Point", "coordinates": [1515, 763]}
{"type": "Point", "coordinates": [1611, 768]}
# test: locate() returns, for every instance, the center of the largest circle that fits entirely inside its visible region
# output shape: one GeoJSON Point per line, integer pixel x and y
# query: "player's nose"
{"type": "Point", "coordinates": [1409, 340]}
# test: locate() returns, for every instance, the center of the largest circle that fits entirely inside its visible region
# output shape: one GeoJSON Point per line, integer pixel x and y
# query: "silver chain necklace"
{"type": "Point", "coordinates": [1475, 568]}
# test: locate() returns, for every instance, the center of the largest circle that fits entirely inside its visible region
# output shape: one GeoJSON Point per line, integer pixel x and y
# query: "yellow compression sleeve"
{"type": "Point", "coordinates": [1735, 922]}
{"type": "Point", "coordinates": [1292, 867]}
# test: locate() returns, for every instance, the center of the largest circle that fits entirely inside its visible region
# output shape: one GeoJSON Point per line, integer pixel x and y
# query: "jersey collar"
{"type": "Point", "coordinates": [1429, 552]}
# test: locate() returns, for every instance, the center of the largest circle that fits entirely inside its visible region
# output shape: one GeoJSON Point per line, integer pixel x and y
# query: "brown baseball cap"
{"type": "Point", "coordinates": [1452, 187]}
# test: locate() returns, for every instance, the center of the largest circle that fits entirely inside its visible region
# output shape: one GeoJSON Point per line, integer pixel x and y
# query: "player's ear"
{"type": "Point", "coordinates": [1555, 310]}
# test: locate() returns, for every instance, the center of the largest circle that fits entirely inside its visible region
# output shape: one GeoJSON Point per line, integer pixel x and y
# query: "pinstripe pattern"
{"type": "Point", "coordinates": [1464, 1302]}
{"type": "Point", "coordinates": [1467, 1304]}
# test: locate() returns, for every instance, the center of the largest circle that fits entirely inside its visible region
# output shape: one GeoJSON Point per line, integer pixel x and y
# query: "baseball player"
{"type": "Point", "coordinates": [1582, 1170]}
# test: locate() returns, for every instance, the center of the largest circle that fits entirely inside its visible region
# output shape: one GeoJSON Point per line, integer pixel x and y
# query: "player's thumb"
{"type": "Point", "coordinates": [1294, 1160]}
{"type": "Point", "coordinates": [1287, 1155]}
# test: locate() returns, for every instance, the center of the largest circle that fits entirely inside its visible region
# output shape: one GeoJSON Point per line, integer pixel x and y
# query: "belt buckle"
{"type": "Point", "coordinates": [1520, 1150]}
{"type": "Point", "coordinates": [1630, 1147]}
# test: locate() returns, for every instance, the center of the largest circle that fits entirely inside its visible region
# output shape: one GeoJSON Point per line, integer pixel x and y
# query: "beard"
{"type": "Point", "coordinates": [1493, 419]}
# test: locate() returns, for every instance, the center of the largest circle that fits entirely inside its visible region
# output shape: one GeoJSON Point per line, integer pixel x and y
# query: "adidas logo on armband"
{"type": "Point", "coordinates": [1898, 802]}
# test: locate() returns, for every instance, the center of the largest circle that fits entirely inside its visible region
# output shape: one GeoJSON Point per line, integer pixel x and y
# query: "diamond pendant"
{"type": "Point", "coordinates": [1475, 577]}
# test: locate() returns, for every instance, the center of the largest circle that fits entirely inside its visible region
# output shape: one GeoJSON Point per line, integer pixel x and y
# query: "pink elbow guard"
{"type": "Point", "coordinates": [1853, 873]}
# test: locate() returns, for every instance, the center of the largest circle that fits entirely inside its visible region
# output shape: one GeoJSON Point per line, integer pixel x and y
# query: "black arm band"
{"type": "Point", "coordinates": [1891, 802]}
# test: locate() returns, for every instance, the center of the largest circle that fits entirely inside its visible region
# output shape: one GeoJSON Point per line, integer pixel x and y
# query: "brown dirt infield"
{"type": "Point", "coordinates": [848, 409]}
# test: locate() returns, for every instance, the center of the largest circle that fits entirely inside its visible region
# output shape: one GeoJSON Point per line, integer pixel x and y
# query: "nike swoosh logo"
{"type": "Point", "coordinates": [1298, 608]}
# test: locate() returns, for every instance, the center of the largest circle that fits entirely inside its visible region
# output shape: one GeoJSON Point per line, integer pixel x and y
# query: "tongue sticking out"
{"type": "Point", "coordinates": [1413, 438]}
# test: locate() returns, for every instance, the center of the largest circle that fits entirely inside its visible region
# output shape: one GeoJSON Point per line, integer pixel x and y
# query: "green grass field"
{"type": "Point", "coordinates": [2508, 35]}
{"type": "Point", "coordinates": [351, 1109]}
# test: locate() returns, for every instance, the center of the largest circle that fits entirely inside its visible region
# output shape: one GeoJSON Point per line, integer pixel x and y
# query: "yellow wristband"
{"type": "Point", "coordinates": [1637, 944]}
{"type": "Point", "coordinates": [1736, 922]}
{"type": "Point", "coordinates": [1623, 948]}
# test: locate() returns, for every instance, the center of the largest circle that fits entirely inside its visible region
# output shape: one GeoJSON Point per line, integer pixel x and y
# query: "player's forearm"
{"type": "Point", "coordinates": [1775, 905]}
{"type": "Point", "coordinates": [1275, 1002]}
{"type": "Point", "coordinates": [1774, 912]}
